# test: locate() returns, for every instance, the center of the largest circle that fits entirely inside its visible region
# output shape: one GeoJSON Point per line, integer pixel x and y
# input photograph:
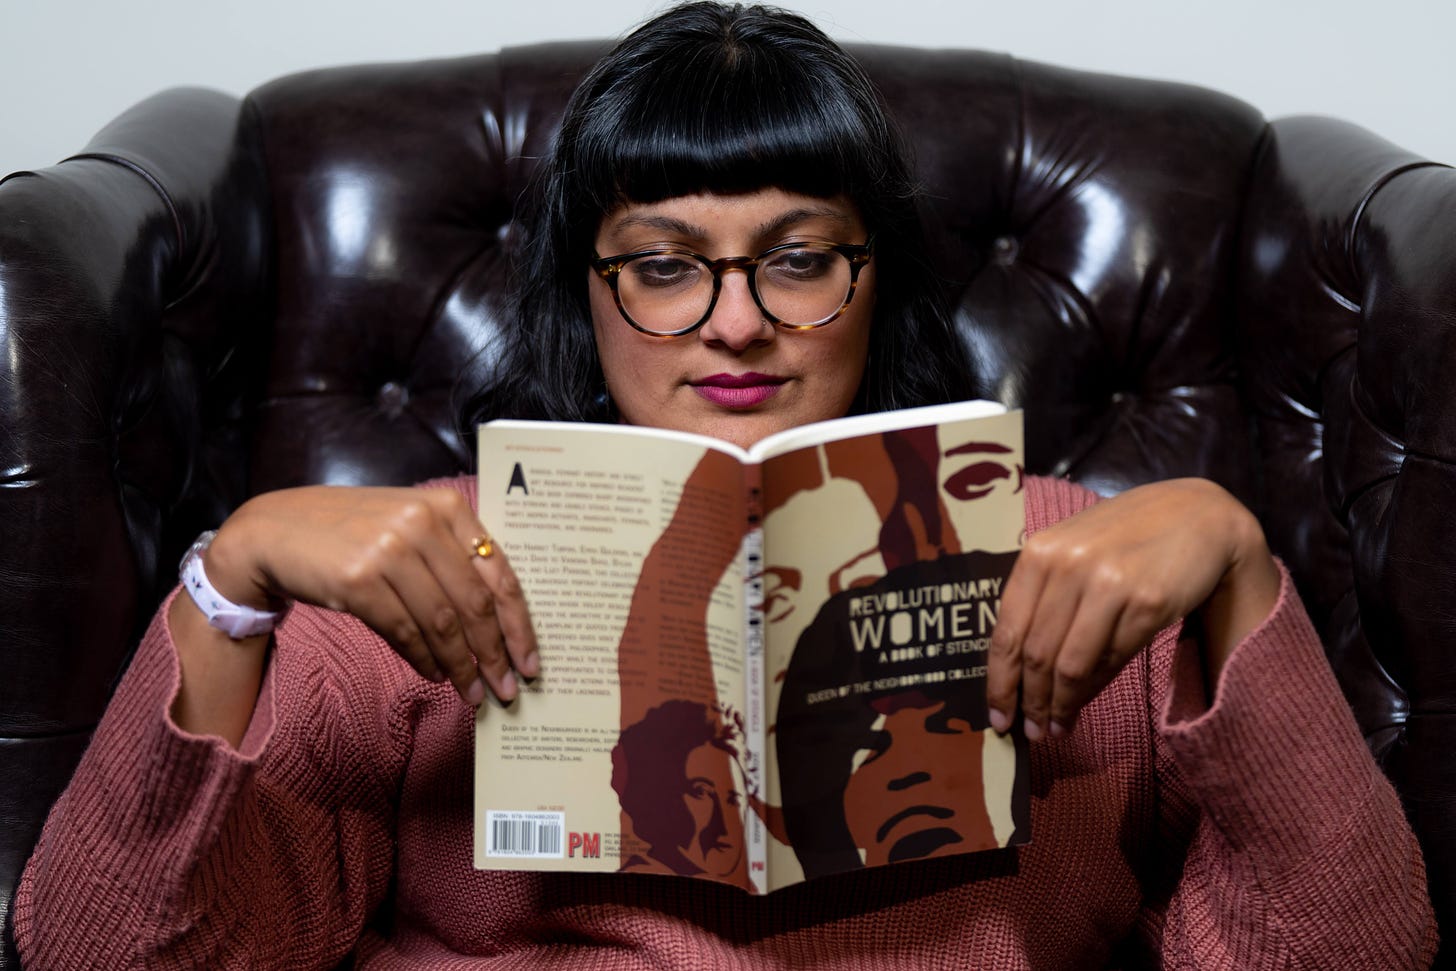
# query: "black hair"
{"type": "Point", "coordinates": [710, 97]}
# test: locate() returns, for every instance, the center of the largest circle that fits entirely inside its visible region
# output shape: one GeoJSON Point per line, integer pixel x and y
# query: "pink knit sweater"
{"type": "Point", "coordinates": [1257, 833]}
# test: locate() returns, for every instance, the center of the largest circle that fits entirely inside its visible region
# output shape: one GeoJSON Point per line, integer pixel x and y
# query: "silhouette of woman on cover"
{"type": "Point", "coordinates": [679, 764]}
{"type": "Point", "coordinates": [679, 779]}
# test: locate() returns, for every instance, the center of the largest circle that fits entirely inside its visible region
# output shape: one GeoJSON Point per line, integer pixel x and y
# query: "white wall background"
{"type": "Point", "coordinates": [68, 66]}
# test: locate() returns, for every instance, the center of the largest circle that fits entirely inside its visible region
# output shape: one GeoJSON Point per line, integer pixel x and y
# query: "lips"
{"type": "Point", "coordinates": [738, 391]}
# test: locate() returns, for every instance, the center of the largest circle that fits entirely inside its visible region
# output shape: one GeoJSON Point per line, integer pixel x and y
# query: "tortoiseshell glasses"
{"type": "Point", "coordinates": [671, 292]}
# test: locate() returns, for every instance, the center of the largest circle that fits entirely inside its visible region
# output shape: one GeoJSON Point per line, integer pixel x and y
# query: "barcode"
{"type": "Point", "coordinates": [524, 834]}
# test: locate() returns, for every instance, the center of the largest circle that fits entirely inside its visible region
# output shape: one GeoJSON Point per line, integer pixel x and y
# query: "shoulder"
{"type": "Point", "coordinates": [1049, 501]}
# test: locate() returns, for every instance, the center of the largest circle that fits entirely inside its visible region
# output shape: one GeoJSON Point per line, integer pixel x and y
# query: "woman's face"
{"type": "Point", "coordinates": [738, 377]}
{"type": "Point", "coordinates": [714, 800]}
{"type": "Point", "coordinates": [899, 804]}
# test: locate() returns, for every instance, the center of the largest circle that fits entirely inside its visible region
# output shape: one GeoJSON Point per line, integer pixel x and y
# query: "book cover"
{"type": "Point", "coordinates": [758, 666]}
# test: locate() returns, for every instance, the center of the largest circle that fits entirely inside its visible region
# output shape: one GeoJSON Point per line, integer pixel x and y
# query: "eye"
{"type": "Point", "coordinates": [800, 265]}
{"type": "Point", "coordinates": [776, 607]}
{"type": "Point", "coordinates": [777, 601]}
{"type": "Point", "coordinates": [975, 481]}
{"type": "Point", "coordinates": [664, 270]}
{"type": "Point", "coordinates": [940, 721]}
{"type": "Point", "coordinates": [875, 744]}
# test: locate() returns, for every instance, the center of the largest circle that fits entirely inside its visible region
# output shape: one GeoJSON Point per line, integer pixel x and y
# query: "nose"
{"type": "Point", "coordinates": [715, 830]}
{"type": "Point", "coordinates": [736, 321]}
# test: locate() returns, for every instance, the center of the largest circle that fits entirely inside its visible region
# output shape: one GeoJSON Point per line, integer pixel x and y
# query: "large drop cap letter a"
{"type": "Point", "coordinates": [518, 480]}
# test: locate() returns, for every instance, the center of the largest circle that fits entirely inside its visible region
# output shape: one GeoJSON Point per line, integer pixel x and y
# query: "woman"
{"type": "Point", "coordinates": [287, 799]}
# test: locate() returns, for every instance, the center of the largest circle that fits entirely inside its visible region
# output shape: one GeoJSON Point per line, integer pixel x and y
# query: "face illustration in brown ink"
{"type": "Point", "coordinates": [714, 798]}
{"type": "Point", "coordinates": [900, 801]}
{"type": "Point", "coordinates": [681, 785]}
{"type": "Point", "coordinates": [976, 476]}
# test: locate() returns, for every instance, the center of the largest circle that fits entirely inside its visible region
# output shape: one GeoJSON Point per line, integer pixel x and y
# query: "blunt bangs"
{"type": "Point", "coordinates": [741, 108]}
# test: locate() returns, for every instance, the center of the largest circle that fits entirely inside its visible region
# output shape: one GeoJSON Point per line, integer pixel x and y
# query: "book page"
{"type": "Point", "coordinates": [883, 561]}
{"type": "Point", "coordinates": [629, 549]}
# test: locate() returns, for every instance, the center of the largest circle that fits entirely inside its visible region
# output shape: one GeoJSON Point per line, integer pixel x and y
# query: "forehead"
{"type": "Point", "coordinates": [708, 215]}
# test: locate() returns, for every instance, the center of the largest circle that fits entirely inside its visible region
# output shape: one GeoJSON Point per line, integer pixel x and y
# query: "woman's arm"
{"type": "Point", "coordinates": [236, 808]}
{"type": "Point", "coordinates": [1279, 842]}
{"type": "Point", "coordinates": [176, 850]}
{"type": "Point", "coordinates": [398, 559]}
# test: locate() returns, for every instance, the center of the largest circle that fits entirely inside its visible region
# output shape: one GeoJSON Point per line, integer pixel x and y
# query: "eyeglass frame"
{"type": "Point", "coordinates": [858, 254]}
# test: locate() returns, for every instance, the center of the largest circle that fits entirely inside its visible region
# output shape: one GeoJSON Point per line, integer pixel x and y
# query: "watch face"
{"type": "Point", "coordinates": [200, 544]}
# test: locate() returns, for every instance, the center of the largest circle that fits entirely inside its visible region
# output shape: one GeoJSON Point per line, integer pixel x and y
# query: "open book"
{"type": "Point", "coordinates": [757, 666]}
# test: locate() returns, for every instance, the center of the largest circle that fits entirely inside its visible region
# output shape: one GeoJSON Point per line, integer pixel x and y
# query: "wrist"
{"type": "Point", "coordinates": [1243, 598]}
{"type": "Point", "coordinates": [238, 621]}
{"type": "Point", "coordinates": [232, 568]}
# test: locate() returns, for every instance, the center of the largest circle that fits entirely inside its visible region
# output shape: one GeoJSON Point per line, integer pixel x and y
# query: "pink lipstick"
{"type": "Point", "coordinates": [738, 391]}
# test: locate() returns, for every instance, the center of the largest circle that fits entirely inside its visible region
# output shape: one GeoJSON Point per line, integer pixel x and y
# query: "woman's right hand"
{"type": "Point", "coordinates": [398, 559]}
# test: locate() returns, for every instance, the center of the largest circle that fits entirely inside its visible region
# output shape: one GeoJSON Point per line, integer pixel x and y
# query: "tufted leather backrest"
{"type": "Point", "coordinates": [1347, 337]}
{"type": "Point", "coordinates": [223, 297]}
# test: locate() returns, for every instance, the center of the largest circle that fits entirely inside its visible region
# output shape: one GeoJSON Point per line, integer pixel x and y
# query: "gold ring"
{"type": "Point", "coordinates": [482, 546]}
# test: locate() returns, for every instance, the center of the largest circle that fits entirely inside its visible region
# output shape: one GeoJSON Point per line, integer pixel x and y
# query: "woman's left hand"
{"type": "Point", "coordinates": [1089, 592]}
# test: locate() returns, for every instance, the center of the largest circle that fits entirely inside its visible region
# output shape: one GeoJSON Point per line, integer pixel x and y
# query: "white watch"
{"type": "Point", "coordinates": [235, 620]}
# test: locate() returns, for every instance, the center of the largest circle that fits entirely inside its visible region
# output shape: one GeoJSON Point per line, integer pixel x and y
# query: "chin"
{"type": "Point", "coordinates": [746, 429]}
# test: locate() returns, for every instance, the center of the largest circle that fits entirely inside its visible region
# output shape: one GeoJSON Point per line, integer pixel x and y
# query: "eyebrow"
{"type": "Point", "coordinates": [665, 223]}
{"type": "Point", "coordinates": [786, 575]}
{"type": "Point", "coordinates": [671, 224]}
{"type": "Point", "coordinates": [784, 221]}
{"type": "Point", "coordinates": [996, 448]}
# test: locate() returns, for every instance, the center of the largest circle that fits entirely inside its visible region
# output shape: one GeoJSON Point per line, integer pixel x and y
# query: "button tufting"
{"type": "Point", "coordinates": [1004, 250]}
{"type": "Point", "coordinates": [392, 399]}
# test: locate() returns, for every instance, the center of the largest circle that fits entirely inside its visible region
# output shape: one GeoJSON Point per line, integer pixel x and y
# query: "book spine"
{"type": "Point", "coordinates": [755, 685]}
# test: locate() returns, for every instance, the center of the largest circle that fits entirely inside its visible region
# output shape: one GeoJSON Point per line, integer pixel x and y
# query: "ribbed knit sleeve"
{"type": "Point", "coordinates": [175, 850]}
{"type": "Point", "coordinates": [1279, 843]}
{"type": "Point", "coordinates": [1300, 832]}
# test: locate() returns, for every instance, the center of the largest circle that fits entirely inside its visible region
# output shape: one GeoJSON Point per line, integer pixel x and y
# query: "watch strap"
{"type": "Point", "coordinates": [235, 620]}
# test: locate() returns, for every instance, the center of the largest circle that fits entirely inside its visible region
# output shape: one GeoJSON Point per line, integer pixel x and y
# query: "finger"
{"type": "Point", "coordinates": [376, 603]}
{"type": "Point", "coordinates": [512, 611]}
{"type": "Point", "coordinates": [509, 617]}
{"type": "Point", "coordinates": [1087, 660]}
{"type": "Point", "coordinates": [438, 617]}
{"type": "Point", "coordinates": [475, 609]}
{"type": "Point", "coordinates": [1003, 663]}
{"type": "Point", "coordinates": [1041, 647]}
{"type": "Point", "coordinates": [463, 627]}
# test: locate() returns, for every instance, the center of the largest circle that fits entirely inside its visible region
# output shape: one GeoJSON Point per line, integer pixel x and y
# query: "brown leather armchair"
{"type": "Point", "coordinates": [219, 297]}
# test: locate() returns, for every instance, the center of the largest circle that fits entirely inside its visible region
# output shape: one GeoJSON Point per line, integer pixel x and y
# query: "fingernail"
{"type": "Point", "coordinates": [1000, 721]}
{"type": "Point", "coordinates": [475, 694]}
{"type": "Point", "coordinates": [436, 675]}
{"type": "Point", "coordinates": [506, 696]}
{"type": "Point", "coordinates": [1056, 729]}
{"type": "Point", "coordinates": [531, 666]}
{"type": "Point", "coordinates": [1032, 730]}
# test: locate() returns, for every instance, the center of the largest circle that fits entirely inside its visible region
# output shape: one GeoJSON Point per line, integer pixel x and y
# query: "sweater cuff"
{"type": "Point", "coordinates": [182, 783]}
{"type": "Point", "coordinates": [260, 726]}
{"type": "Point", "coordinates": [1277, 760]}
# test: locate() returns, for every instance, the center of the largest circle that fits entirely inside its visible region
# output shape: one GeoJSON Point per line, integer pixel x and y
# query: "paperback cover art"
{"type": "Point", "coordinates": [757, 667]}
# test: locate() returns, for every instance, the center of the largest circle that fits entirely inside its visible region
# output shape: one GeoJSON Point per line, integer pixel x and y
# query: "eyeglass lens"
{"type": "Point", "coordinates": [668, 292]}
